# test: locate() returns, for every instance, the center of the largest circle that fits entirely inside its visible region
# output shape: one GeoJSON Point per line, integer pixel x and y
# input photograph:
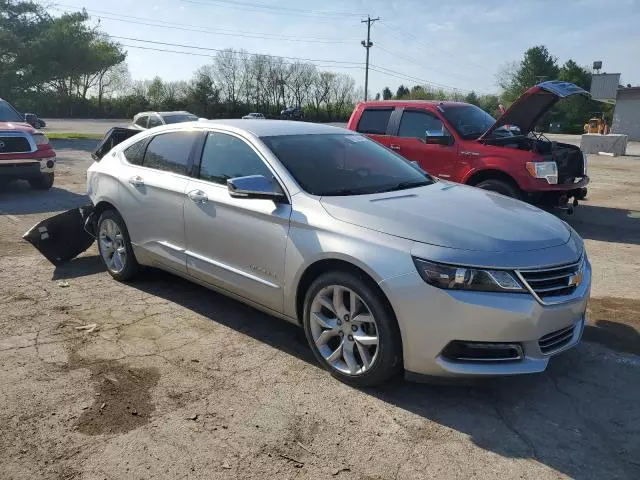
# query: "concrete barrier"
{"type": "Point", "coordinates": [612, 143]}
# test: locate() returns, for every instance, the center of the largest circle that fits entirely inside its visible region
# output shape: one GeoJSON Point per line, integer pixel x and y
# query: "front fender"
{"type": "Point", "coordinates": [506, 166]}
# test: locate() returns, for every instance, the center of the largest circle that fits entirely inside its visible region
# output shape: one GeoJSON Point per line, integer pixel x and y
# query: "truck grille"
{"type": "Point", "coordinates": [554, 281]}
{"type": "Point", "coordinates": [554, 341]}
{"type": "Point", "coordinates": [14, 144]}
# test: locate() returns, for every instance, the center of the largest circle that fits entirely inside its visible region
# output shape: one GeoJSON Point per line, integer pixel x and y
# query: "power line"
{"type": "Point", "coordinates": [360, 67]}
{"type": "Point", "coordinates": [402, 76]}
{"type": "Point", "coordinates": [211, 49]}
{"type": "Point", "coordinates": [199, 29]}
{"type": "Point", "coordinates": [415, 61]}
{"type": "Point", "coordinates": [259, 7]}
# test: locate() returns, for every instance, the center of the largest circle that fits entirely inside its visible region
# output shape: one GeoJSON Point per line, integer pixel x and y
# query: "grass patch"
{"type": "Point", "coordinates": [74, 136]}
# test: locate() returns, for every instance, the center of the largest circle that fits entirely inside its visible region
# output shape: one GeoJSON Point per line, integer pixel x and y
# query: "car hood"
{"type": "Point", "coordinates": [525, 112]}
{"type": "Point", "coordinates": [454, 216]}
{"type": "Point", "coordinates": [16, 127]}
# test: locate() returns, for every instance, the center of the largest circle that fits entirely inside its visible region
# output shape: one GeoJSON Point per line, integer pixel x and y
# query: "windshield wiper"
{"type": "Point", "coordinates": [405, 185]}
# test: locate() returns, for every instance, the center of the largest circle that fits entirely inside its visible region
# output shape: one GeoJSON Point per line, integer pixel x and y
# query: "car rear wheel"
{"type": "Point", "coordinates": [115, 248]}
{"type": "Point", "coordinates": [351, 330]}
{"type": "Point", "coordinates": [500, 186]}
{"type": "Point", "coordinates": [42, 182]}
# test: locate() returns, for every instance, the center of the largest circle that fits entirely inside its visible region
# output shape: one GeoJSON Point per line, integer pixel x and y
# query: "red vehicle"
{"type": "Point", "coordinates": [25, 153]}
{"type": "Point", "coordinates": [462, 143]}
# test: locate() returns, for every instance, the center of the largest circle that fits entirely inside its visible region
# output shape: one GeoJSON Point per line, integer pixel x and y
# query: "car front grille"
{"type": "Point", "coordinates": [554, 341]}
{"type": "Point", "coordinates": [554, 281]}
{"type": "Point", "coordinates": [14, 144]}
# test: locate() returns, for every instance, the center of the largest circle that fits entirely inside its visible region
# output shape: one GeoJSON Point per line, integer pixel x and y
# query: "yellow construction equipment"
{"type": "Point", "coordinates": [596, 125]}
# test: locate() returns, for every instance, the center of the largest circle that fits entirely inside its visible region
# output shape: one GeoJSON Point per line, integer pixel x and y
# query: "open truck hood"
{"type": "Point", "coordinates": [525, 112]}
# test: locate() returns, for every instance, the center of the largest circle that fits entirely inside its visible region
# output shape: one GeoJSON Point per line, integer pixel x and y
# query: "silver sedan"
{"type": "Point", "coordinates": [385, 267]}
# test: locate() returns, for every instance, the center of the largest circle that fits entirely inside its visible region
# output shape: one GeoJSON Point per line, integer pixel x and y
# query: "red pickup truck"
{"type": "Point", "coordinates": [25, 153]}
{"type": "Point", "coordinates": [462, 143]}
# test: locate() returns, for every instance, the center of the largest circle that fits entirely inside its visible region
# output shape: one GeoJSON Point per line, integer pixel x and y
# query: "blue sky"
{"type": "Point", "coordinates": [461, 44]}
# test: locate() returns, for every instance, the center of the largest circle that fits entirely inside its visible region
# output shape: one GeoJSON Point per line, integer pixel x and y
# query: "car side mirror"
{"type": "Point", "coordinates": [255, 186]}
{"type": "Point", "coordinates": [437, 137]}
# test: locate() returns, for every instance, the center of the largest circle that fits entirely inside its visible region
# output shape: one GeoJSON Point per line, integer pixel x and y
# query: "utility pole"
{"type": "Point", "coordinates": [368, 44]}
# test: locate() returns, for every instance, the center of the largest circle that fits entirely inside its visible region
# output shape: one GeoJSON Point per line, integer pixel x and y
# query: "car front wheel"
{"type": "Point", "coordinates": [115, 247]}
{"type": "Point", "coordinates": [351, 330]}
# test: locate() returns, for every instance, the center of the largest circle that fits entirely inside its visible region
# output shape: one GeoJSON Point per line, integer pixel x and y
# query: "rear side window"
{"type": "Point", "coordinates": [142, 121]}
{"type": "Point", "coordinates": [135, 153]}
{"type": "Point", "coordinates": [418, 124]}
{"type": "Point", "coordinates": [225, 156]}
{"type": "Point", "coordinates": [154, 121]}
{"type": "Point", "coordinates": [374, 121]}
{"type": "Point", "coordinates": [170, 152]}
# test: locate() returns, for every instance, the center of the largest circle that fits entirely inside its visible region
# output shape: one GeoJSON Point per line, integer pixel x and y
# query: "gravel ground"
{"type": "Point", "coordinates": [179, 382]}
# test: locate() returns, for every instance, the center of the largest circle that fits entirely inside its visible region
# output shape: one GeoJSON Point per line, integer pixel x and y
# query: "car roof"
{"type": "Point", "coordinates": [412, 103]}
{"type": "Point", "coordinates": [271, 128]}
{"type": "Point", "coordinates": [177, 112]}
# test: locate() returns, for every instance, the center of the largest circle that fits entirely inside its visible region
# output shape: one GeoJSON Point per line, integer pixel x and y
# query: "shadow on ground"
{"type": "Point", "coordinates": [544, 417]}
{"type": "Point", "coordinates": [606, 224]}
{"type": "Point", "coordinates": [37, 201]}
{"type": "Point", "coordinates": [79, 267]}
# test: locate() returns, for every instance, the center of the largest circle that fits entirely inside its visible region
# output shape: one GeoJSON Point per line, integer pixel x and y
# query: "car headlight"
{"type": "Point", "coordinates": [40, 139]}
{"type": "Point", "coordinates": [546, 170]}
{"type": "Point", "coordinates": [453, 277]}
{"type": "Point", "coordinates": [584, 164]}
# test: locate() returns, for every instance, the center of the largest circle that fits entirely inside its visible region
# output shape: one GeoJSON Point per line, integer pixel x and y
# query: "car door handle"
{"type": "Point", "coordinates": [198, 196]}
{"type": "Point", "coordinates": [395, 147]}
{"type": "Point", "coordinates": [136, 181]}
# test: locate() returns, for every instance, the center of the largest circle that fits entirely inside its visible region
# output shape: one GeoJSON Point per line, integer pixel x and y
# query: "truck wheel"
{"type": "Point", "coordinates": [43, 182]}
{"type": "Point", "coordinates": [581, 194]}
{"type": "Point", "coordinates": [499, 186]}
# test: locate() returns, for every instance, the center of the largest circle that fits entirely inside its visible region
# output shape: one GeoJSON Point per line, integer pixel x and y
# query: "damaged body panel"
{"type": "Point", "coordinates": [66, 235]}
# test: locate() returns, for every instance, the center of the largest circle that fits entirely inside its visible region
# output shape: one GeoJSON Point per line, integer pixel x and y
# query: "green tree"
{"type": "Point", "coordinates": [20, 24]}
{"type": "Point", "coordinates": [538, 65]}
{"type": "Point", "coordinates": [402, 92]}
{"type": "Point", "coordinates": [489, 103]}
{"type": "Point", "coordinates": [387, 94]}
{"type": "Point", "coordinates": [155, 92]}
{"type": "Point", "coordinates": [472, 98]}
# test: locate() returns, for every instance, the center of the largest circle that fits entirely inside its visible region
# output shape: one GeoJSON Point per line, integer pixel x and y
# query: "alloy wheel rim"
{"type": "Point", "coordinates": [344, 330]}
{"type": "Point", "coordinates": [112, 246]}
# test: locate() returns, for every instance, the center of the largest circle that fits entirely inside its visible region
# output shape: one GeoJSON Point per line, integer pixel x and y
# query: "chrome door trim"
{"type": "Point", "coordinates": [171, 246]}
{"type": "Point", "coordinates": [231, 269]}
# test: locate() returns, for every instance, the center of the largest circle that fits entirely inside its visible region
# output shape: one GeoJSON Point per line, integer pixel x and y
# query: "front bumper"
{"type": "Point", "coordinates": [430, 319]}
{"type": "Point", "coordinates": [25, 168]}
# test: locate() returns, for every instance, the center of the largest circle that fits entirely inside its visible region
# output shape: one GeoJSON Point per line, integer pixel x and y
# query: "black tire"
{"type": "Point", "coordinates": [581, 194]}
{"type": "Point", "coordinates": [388, 360]}
{"type": "Point", "coordinates": [131, 266]}
{"type": "Point", "coordinates": [42, 182]}
{"type": "Point", "coordinates": [500, 186]}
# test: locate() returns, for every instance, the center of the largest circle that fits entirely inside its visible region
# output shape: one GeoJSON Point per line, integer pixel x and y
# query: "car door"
{"type": "Point", "coordinates": [152, 194]}
{"type": "Point", "coordinates": [437, 159]}
{"type": "Point", "coordinates": [374, 123]}
{"type": "Point", "coordinates": [235, 243]}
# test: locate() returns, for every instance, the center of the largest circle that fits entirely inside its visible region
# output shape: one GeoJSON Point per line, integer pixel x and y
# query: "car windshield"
{"type": "Point", "coordinates": [344, 164]}
{"type": "Point", "coordinates": [8, 113]}
{"type": "Point", "coordinates": [179, 118]}
{"type": "Point", "coordinates": [468, 120]}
